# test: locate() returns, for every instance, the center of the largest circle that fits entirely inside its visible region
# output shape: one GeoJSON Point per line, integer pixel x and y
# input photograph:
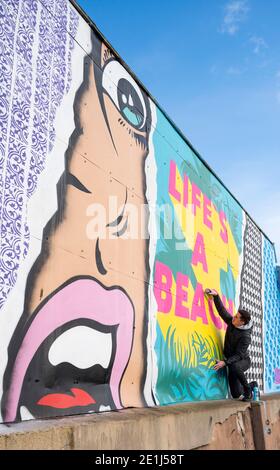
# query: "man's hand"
{"type": "Point", "coordinates": [219, 365]}
{"type": "Point", "coordinates": [211, 292]}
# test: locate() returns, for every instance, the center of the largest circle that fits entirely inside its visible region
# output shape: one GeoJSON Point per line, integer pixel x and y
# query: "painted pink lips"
{"type": "Point", "coordinates": [78, 300]}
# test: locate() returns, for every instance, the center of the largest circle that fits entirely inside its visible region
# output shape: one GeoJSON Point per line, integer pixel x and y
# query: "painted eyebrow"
{"type": "Point", "coordinates": [117, 221]}
{"type": "Point", "coordinates": [71, 179]}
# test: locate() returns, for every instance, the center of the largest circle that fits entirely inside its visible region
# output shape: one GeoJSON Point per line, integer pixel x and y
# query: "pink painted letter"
{"type": "Point", "coordinates": [162, 287]}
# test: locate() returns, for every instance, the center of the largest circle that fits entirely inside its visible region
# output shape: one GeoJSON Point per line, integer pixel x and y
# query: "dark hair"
{"type": "Point", "coordinates": [245, 316]}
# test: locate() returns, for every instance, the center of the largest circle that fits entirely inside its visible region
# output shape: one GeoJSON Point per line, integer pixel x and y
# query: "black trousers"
{"type": "Point", "coordinates": [237, 381]}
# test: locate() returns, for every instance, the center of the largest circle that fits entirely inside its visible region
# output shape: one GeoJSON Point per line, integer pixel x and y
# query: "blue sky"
{"type": "Point", "coordinates": [214, 67]}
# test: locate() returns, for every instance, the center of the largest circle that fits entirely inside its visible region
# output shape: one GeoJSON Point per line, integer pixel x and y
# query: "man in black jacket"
{"type": "Point", "coordinates": [237, 341]}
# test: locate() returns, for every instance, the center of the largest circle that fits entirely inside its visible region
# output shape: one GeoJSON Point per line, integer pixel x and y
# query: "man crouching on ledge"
{"type": "Point", "coordinates": [237, 341]}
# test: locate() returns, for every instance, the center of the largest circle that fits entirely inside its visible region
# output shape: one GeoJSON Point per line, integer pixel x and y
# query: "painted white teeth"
{"type": "Point", "coordinates": [25, 414]}
{"type": "Point", "coordinates": [83, 347]}
{"type": "Point", "coordinates": [104, 408]}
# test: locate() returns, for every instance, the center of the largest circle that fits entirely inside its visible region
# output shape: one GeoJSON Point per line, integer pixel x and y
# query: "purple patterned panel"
{"type": "Point", "coordinates": [4, 110]}
{"type": "Point", "coordinates": [13, 4]}
{"type": "Point", "coordinates": [15, 164]}
{"type": "Point", "coordinates": [8, 17]}
{"type": "Point", "coordinates": [35, 74]}
{"type": "Point", "coordinates": [6, 66]}
{"type": "Point", "coordinates": [26, 29]}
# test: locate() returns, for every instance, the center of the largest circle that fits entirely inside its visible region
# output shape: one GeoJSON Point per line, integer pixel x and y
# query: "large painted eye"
{"type": "Point", "coordinates": [125, 94]}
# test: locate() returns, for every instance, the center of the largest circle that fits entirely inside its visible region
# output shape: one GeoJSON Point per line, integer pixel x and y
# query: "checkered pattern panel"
{"type": "Point", "coordinates": [251, 297]}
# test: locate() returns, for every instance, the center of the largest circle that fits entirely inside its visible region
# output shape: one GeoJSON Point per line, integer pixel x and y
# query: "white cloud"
{"type": "Point", "coordinates": [259, 44]}
{"type": "Point", "coordinates": [235, 13]}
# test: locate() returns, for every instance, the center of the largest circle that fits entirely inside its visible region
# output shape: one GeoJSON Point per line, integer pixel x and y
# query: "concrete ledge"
{"type": "Point", "coordinates": [225, 424]}
{"type": "Point", "coordinates": [184, 426]}
{"type": "Point", "coordinates": [271, 421]}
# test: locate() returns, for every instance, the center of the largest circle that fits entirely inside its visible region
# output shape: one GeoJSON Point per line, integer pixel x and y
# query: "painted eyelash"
{"type": "Point", "coordinates": [140, 140]}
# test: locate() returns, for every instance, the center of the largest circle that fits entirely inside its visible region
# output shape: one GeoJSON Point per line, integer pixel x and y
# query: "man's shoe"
{"type": "Point", "coordinates": [253, 384]}
{"type": "Point", "coordinates": [247, 397]}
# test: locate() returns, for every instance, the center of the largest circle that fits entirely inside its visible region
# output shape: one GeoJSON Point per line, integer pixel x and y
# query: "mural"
{"type": "Point", "coordinates": [271, 320]}
{"type": "Point", "coordinates": [251, 296]}
{"type": "Point", "coordinates": [207, 251]}
{"type": "Point", "coordinates": [111, 229]}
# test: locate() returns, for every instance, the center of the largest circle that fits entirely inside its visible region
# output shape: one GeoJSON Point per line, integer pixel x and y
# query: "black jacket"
{"type": "Point", "coordinates": [237, 339]}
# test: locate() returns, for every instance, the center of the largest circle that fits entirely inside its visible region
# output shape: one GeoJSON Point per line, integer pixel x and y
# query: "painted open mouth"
{"type": "Point", "coordinates": [74, 352]}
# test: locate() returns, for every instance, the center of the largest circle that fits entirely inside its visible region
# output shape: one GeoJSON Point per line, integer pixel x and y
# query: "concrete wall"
{"type": "Point", "coordinates": [221, 425]}
{"type": "Point", "coordinates": [112, 226]}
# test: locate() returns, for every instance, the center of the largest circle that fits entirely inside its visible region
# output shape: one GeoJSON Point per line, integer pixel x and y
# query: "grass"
{"type": "Point", "coordinates": [186, 373]}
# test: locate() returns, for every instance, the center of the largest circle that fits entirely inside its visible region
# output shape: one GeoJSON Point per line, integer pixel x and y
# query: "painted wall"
{"type": "Point", "coordinates": [111, 229]}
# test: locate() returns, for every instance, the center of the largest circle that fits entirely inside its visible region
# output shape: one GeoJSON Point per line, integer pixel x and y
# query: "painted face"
{"type": "Point", "coordinates": [237, 320]}
{"type": "Point", "coordinates": [80, 344]}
